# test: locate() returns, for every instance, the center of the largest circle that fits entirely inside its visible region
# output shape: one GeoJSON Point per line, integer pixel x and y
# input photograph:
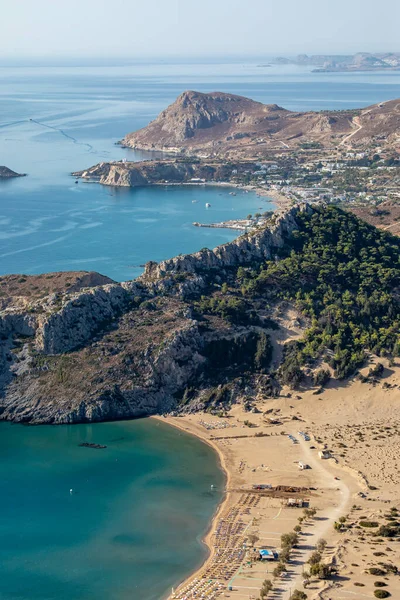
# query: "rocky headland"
{"type": "Point", "coordinates": [6, 173]}
{"type": "Point", "coordinates": [203, 330]}
{"type": "Point", "coordinates": [152, 172]}
{"type": "Point", "coordinates": [219, 124]}
{"type": "Point", "coordinates": [92, 350]}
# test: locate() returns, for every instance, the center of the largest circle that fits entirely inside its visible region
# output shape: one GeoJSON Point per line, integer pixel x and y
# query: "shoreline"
{"type": "Point", "coordinates": [263, 470]}
{"type": "Point", "coordinates": [280, 200]}
{"type": "Point", "coordinates": [237, 450]}
{"type": "Point", "coordinates": [206, 539]}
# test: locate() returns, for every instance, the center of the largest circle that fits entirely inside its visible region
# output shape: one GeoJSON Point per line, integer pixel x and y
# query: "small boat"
{"type": "Point", "coordinates": [194, 201]}
{"type": "Point", "coordinates": [208, 205]}
{"type": "Point", "coordinates": [91, 445]}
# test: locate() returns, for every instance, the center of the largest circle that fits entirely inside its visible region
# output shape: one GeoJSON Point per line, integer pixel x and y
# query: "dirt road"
{"type": "Point", "coordinates": [322, 525]}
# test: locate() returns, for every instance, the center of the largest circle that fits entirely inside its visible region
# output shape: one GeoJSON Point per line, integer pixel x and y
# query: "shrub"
{"type": "Point", "coordinates": [386, 531]}
{"type": "Point", "coordinates": [381, 594]}
{"type": "Point", "coordinates": [369, 524]}
{"type": "Point", "coordinates": [321, 377]}
{"type": "Point", "coordinates": [315, 558]}
{"type": "Point", "coordinates": [299, 595]}
{"type": "Point", "coordinates": [380, 584]}
{"type": "Point", "coordinates": [376, 371]}
{"type": "Point", "coordinates": [377, 572]}
{"type": "Point", "coordinates": [289, 539]}
{"type": "Point", "coordinates": [279, 569]}
{"type": "Point", "coordinates": [266, 588]}
{"type": "Point", "coordinates": [320, 570]}
{"type": "Point", "coordinates": [284, 555]}
{"type": "Point", "coordinates": [292, 375]}
{"type": "Point", "coordinates": [389, 568]}
{"type": "Point", "coordinates": [253, 538]}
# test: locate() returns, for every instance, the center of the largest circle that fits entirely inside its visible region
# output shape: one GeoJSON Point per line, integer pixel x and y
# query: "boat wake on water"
{"type": "Point", "coordinates": [70, 137]}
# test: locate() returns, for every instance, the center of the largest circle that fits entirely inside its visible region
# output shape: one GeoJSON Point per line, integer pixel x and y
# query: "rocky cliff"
{"type": "Point", "coordinates": [123, 350]}
{"type": "Point", "coordinates": [134, 174]}
{"type": "Point", "coordinates": [256, 246]}
{"type": "Point", "coordinates": [219, 124]}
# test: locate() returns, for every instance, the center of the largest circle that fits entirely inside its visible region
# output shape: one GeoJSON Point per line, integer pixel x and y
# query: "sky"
{"type": "Point", "coordinates": [195, 28]}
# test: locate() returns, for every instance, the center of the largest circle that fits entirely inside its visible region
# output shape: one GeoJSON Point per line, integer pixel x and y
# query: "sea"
{"type": "Point", "coordinates": [125, 521]}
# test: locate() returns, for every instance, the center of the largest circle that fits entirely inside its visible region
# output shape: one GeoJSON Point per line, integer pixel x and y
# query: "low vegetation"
{"type": "Point", "coordinates": [342, 274]}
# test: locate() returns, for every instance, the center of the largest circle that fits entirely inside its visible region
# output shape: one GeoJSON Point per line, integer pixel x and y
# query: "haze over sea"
{"type": "Point", "coordinates": [133, 524]}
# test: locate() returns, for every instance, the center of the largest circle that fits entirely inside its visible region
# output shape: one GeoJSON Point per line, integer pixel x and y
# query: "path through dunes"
{"type": "Point", "coordinates": [322, 525]}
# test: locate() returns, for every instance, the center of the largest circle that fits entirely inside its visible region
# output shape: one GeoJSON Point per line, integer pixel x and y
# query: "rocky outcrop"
{"type": "Point", "coordinates": [167, 370]}
{"type": "Point", "coordinates": [80, 318]}
{"type": "Point", "coordinates": [135, 174]}
{"type": "Point", "coordinates": [219, 124]}
{"type": "Point", "coordinates": [6, 173]}
{"type": "Point", "coordinates": [244, 250]}
{"type": "Point", "coordinates": [17, 323]}
{"type": "Point", "coordinates": [125, 350]}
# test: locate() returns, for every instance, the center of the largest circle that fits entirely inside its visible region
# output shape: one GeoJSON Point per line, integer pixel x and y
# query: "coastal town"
{"type": "Point", "coordinates": [365, 182]}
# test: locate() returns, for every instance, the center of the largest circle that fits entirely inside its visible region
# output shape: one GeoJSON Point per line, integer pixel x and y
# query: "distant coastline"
{"type": "Point", "coordinates": [353, 63]}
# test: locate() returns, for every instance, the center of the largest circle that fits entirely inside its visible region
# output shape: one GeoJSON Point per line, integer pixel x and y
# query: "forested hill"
{"type": "Point", "coordinates": [343, 274]}
{"type": "Point", "coordinates": [301, 300]}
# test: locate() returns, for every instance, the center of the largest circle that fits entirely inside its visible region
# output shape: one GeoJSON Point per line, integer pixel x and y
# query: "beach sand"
{"type": "Point", "coordinates": [360, 424]}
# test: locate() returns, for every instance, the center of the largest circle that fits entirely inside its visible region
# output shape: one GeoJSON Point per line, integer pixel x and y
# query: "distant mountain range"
{"type": "Point", "coordinates": [362, 61]}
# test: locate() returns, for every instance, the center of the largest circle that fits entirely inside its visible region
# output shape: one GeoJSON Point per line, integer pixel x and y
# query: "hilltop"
{"type": "Point", "coordinates": [220, 124]}
{"type": "Point", "coordinates": [307, 297]}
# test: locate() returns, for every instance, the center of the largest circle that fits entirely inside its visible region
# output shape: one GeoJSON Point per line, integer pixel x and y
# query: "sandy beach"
{"type": "Point", "coordinates": [359, 424]}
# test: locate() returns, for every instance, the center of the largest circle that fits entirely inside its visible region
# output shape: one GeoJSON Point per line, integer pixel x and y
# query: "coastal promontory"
{"type": "Point", "coordinates": [6, 173]}
{"type": "Point", "coordinates": [308, 296]}
{"type": "Point", "coordinates": [220, 124]}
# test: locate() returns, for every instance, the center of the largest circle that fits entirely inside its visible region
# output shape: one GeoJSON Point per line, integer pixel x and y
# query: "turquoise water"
{"type": "Point", "coordinates": [113, 231]}
{"type": "Point", "coordinates": [131, 528]}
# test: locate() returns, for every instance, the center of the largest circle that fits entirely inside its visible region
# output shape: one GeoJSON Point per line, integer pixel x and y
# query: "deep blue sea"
{"type": "Point", "coordinates": [47, 223]}
{"type": "Point", "coordinates": [132, 527]}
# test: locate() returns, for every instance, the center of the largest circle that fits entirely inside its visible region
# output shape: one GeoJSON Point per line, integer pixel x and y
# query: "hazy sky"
{"type": "Point", "coordinates": [139, 28]}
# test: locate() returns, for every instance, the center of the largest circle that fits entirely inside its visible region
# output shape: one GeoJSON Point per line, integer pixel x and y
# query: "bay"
{"type": "Point", "coordinates": [130, 528]}
{"type": "Point", "coordinates": [58, 119]}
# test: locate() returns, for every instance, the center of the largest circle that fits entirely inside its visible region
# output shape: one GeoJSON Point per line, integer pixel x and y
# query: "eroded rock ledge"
{"type": "Point", "coordinates": [124, 350]}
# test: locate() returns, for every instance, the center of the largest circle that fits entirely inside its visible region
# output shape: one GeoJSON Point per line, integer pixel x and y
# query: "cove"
{"type": "Point", "coordinates": [131, 527]}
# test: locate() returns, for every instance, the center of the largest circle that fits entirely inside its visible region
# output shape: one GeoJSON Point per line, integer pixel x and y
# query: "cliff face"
{"type": "Point", "coordinates": [133, 174]}
{"type": "Point", "coordinates": [80, 318]}
{"type": "Point", "coordinates": [122, 350]}
{"type": "Point", "coordinates": [257, 246]}
{"type": "Point", "coordinates": [219, 124]}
